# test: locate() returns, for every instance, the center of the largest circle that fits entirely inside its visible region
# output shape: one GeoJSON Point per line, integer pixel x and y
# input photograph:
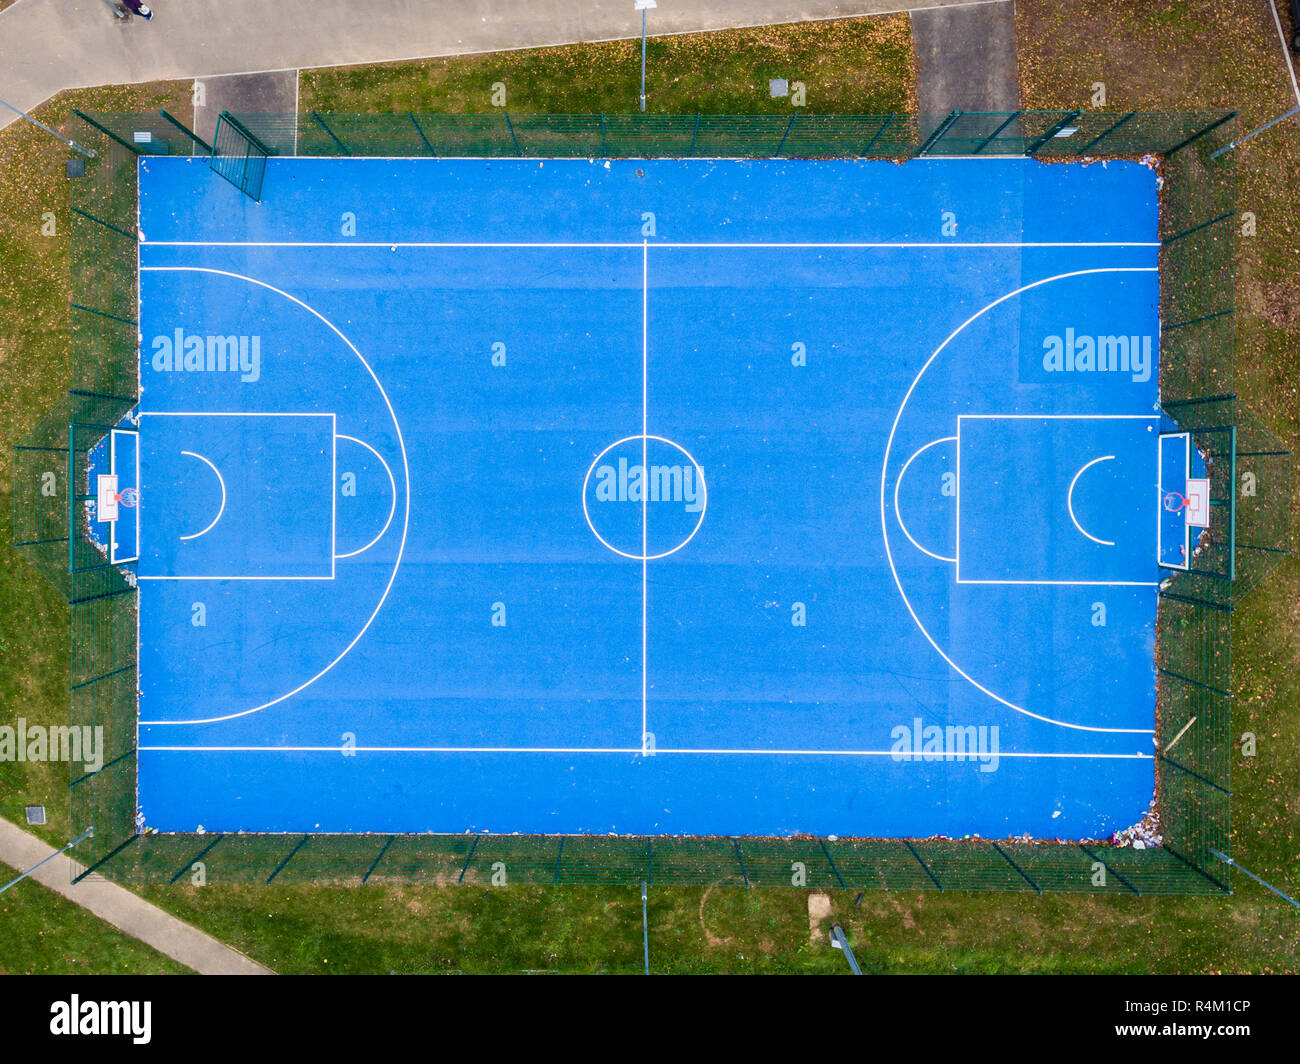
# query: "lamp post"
{"type": "Point", "coordinates": [643, 6]}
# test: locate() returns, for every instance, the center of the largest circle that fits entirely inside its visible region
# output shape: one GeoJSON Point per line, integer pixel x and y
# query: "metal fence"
{"type": "Point", "coordinates": [1193, 650]}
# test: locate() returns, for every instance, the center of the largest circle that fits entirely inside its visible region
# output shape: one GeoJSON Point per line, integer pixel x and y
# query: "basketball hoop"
{"type": "Point", "coordinates": [129, 497]}
{"type": "Point", "coordinates": [1175, 501]}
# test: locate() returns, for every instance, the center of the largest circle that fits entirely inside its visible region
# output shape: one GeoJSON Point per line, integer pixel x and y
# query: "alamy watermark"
{"type": "Point", "coordinates": [37, 742]}
{"type": "Point", "coordinates": [919, 741]}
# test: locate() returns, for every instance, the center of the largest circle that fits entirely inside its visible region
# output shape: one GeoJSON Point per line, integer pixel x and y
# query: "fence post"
{"type": "Point", "coordinates": [938, 133]}
{"type": "Point", "coordinates": [1056, 128]}
{"type": "Point", "coordinates": [1197, 136]}
{"type": "Point", "coordinates": [879, 133]}
{"type": "Point", "coordinates": [1109, 130]}
{"type": "Point", "coordinates": [993, 136]}
{"type": "Point", "coordinates": [321, 122]}
{"type": "Point", "coordinates": [786, 135]}
{"type": "Point", "coordinates": [107, 132]}
{"type": "Point", "coordinates": [187, 131]}
{"type": "Point", "coordinates": [510, 126]}
{"type": "Point", "coordinates": [416, 124]}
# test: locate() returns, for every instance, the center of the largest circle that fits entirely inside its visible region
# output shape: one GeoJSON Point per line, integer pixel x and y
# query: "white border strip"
{"type": "Point", "coordinates": [848, 245]}
{"type": "Point", "coordinates": [636, 752]}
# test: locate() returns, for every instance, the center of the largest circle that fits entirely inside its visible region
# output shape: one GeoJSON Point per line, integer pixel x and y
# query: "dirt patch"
{"type": "Point", "coordinates": [1281, 306]}
{"type": "Point", "coordinates": [709, 936]}
{"type": "Point", "coordinates": [819, 911]}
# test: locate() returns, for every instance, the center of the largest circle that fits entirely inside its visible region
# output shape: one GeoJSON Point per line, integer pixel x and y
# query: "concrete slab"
{"type": "Point", "coordinates": [50, 45]}
{"type": "Point", "coordinates": [271, 93]}
{"type": "Point", "coordinates": [966, 58]}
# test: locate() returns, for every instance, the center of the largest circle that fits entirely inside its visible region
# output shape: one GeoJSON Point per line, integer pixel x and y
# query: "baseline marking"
{"type": "Point", "coordinates": [898, 514]}
{"type": "Point", "coordinates": [1069, 500]}
{"type": "Point", "coordinates": [222, 508]}
{"type": "Point", "coordinates": [884, 475]}
{"type": "Point", "coordinates": [406, 476]}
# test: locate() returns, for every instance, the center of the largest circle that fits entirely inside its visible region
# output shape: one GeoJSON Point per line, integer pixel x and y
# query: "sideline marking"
{"type": "Point", "coordinates": [884, 475]}
{"type": "Point", "coordinates": [406, 476]}
{"type": "Point", "coordinates": [634, 244]}
{"type": "Point", "coordinates": [634, 751]}
{"type": "Point", "coordinates": [1069, 500]}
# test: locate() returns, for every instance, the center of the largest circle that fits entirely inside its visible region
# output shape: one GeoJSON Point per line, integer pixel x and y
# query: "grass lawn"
{"type": "Point", "coordinates": [850, 66]}
{"type": "Point", "coordinates": [1179, 54]}
{"type": "Point", "coordinates": [42, 933]}
{"type": "Point", "coordinates": [1159, 54]}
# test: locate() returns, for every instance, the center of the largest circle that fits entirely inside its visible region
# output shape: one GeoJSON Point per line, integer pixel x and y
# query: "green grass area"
{"type": "Point", "coordinates": [1164, 55]}
{"type": "Point", "coordinates": [42, 933]}
{"type": "Point", "coordinates": [1167, 55]}
{"type": "Point", "coordinates": [34, 372]}
{"type": "Point", "coordinates": [849, 66]}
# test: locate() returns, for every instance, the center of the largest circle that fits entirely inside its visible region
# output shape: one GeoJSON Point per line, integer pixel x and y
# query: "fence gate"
{"type": "Point", "coordinates": [238, 156]}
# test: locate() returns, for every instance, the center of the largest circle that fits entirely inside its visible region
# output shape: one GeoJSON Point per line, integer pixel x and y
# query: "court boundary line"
{"type": "Point", "coordinates": [631, 244]}
{"type": "Point", "coordinates": [884, 477]}
{"type": "Point", "coordinates": [632, 751]}
{"type": "Point", "coordinates": [406, 475]}
{"type": "Point", "coordinates": [252, 413]}
{"type": "Point", "coordinates": [1046, 417]}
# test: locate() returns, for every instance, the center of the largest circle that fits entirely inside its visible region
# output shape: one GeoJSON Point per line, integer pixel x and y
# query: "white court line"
{"type": "Point", "coordinates": [1286, 50]}
{"type": "Point", "coordinates": [645, 495]}
{"type": "Point", "coordinates": [240, 414]}
{"type": "Point", "coordinates": [898, 513]}
{"type": "Point", "coordinates": [1069, 500]}
{"type": "Point", "coordinates": [221, 481]}
{"type": "Point", "coordinates": [1186, 437]}
{"type": "Point", "coordinates": [392, 509]}
{"type": "Point", "coordinates": [754, 244]}
{"type": "Point", "coordinates": [635, 751]}
{"type": "Point", "coordinates": [884, 476]}
{"type": "Point", "coordinates": [1071, 583]}
{"type": "Point", "coordinates": [406, 476]}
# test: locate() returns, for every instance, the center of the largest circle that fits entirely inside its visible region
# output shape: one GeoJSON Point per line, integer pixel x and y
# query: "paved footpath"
{"type": "Point", "coordinates": [966, 58]}
{"type": "Point", "coordinates": [49, 45]}
{"type": "Point", "coordinates": [124, 910]}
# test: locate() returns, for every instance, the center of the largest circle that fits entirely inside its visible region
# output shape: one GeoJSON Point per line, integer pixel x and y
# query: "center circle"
{"type": "Point", "coordinates": [641, 500]}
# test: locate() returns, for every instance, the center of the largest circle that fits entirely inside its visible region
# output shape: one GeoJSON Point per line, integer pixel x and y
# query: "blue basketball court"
{"type": "Point", "coordinates": [650, 497]}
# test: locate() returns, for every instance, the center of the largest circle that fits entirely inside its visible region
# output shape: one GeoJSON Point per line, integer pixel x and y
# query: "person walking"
{"type": "Point", "coordinates": [135, 7]}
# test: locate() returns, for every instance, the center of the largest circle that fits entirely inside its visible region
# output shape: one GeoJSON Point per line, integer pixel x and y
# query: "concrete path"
{"type": "Point", "coordinates": [274, 92]}
{"type": "Point", "coordinates": [49, 45]}
{"type": "Point", "coordinates": [966, 58]}
{"type": "Point", "coordinates": [124, 910]}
